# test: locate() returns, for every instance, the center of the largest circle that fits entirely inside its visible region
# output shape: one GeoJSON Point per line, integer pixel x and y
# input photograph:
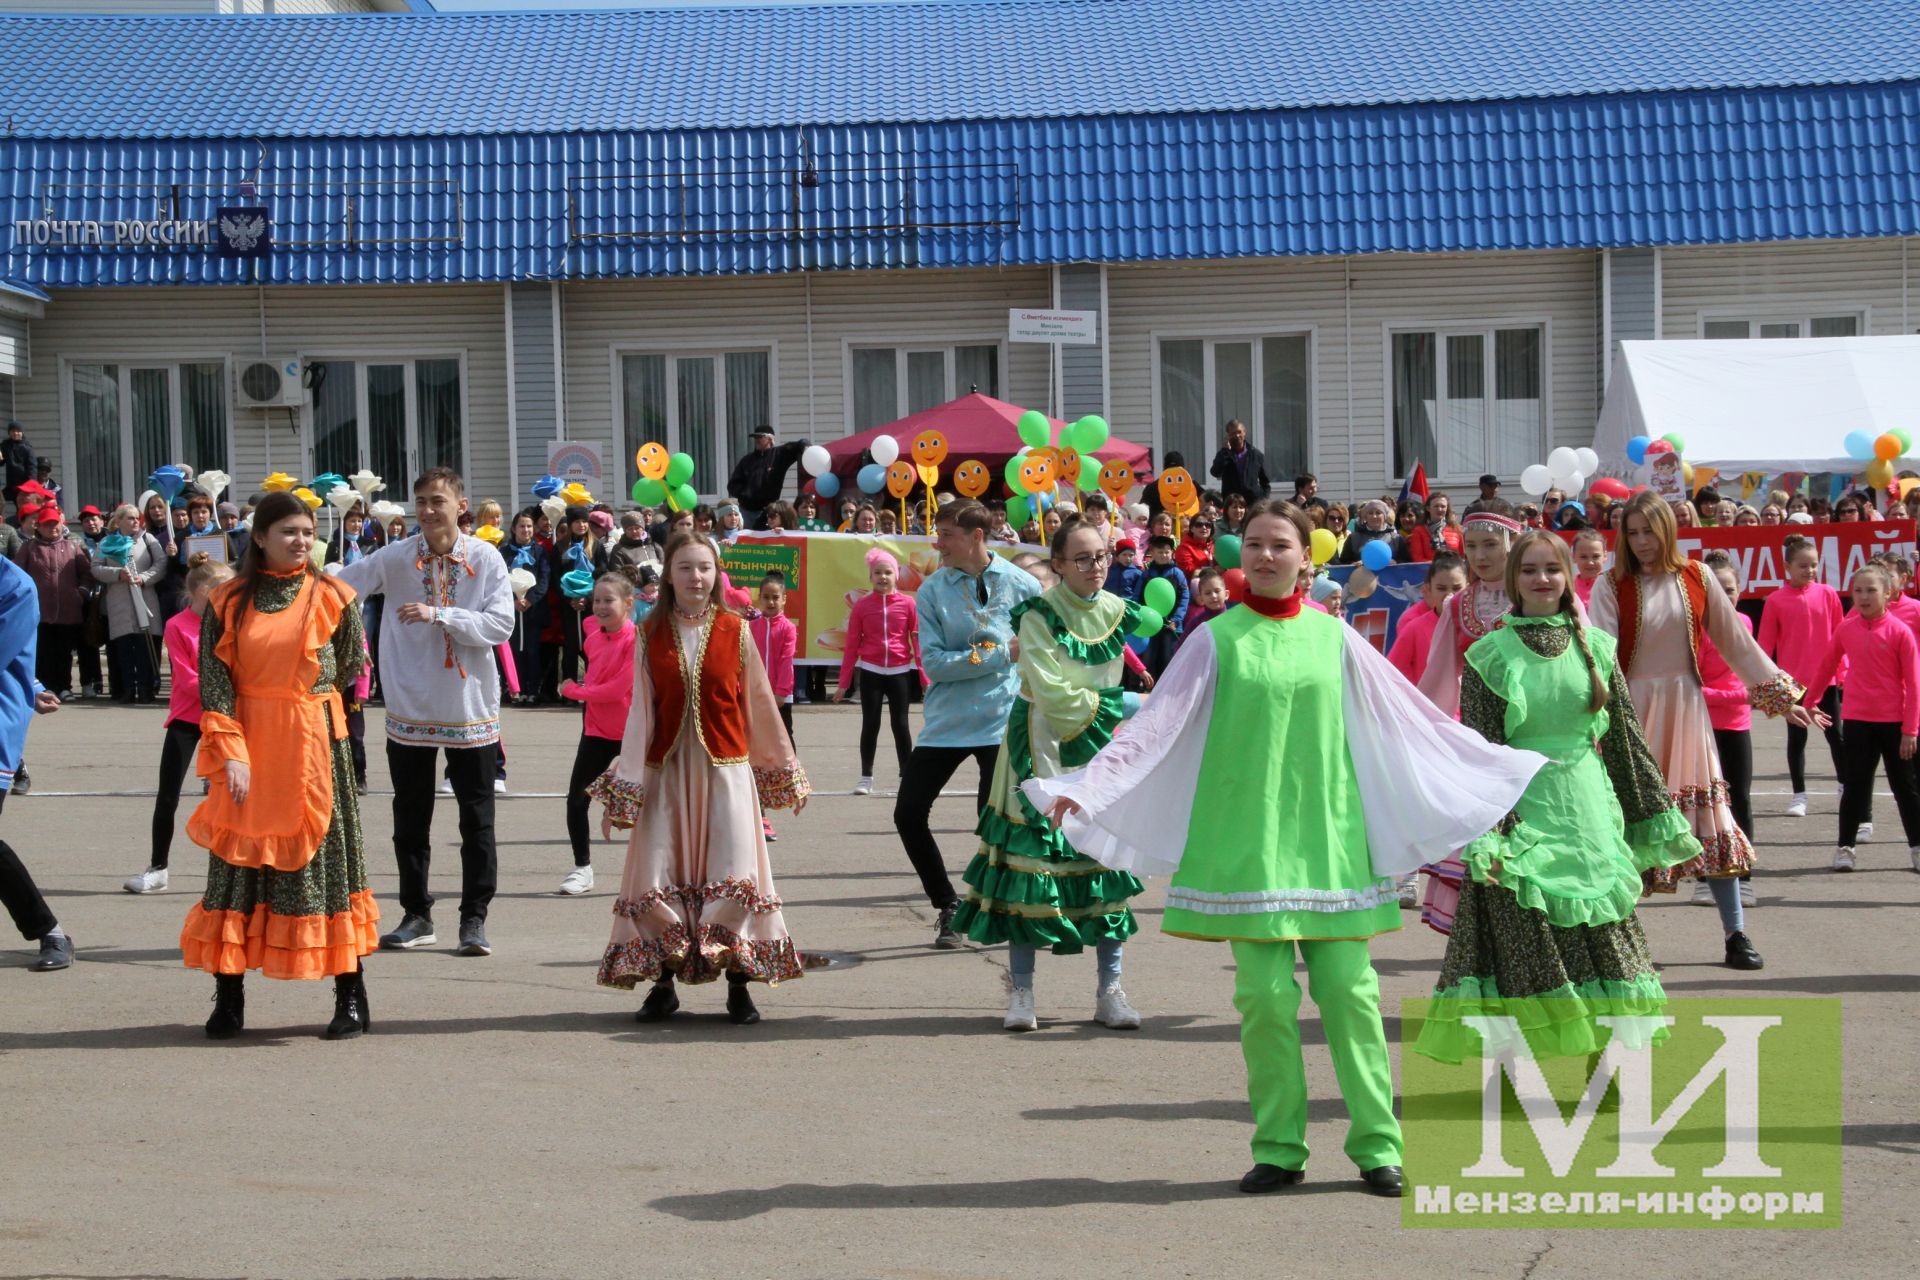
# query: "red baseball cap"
{"type": "Point", "coordinates": [50, 515]}
{"type": "Point", "coordinates": [89, 510]}
{"type": "Point", "coordinates": [1125, 544]}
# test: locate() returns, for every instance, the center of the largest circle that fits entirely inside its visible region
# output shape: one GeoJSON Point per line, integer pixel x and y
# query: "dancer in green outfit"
{"type": "Point", "coordinates": [1545, 934]}
{"type": "Point", "coordinates": [1323, 775]}
{"type": "Point", "coordinates": [1027, 886]}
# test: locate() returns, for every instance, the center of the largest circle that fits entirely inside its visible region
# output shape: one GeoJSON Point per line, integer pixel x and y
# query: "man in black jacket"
{"type": "Point", "coordinates": [21, 464]}
{"type": "Point", "coordinates": [759, 477]}
{"type": "Point", "coordinates": [1239, 467]}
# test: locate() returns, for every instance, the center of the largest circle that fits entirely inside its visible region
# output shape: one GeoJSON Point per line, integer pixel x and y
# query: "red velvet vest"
{"type": "Point", "coordinates": [1693, 596]}
{"type": "Point", "coordinates": [718, 696]}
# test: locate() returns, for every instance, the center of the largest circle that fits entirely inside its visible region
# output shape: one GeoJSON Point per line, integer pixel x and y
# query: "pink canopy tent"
{"type": "Point", "coordinates": [976, 427]}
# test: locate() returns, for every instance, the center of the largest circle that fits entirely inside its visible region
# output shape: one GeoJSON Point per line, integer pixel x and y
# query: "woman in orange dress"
{"type": "Point", "coordinates": [287, 889]}
{"type": "Point", "coordinates": [703, 756]}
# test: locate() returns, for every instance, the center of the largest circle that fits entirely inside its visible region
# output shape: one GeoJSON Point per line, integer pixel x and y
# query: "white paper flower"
{"type": "Point", "coordinates": [366, 482]}
{"type": "Point", "coordinates": [521, 580]}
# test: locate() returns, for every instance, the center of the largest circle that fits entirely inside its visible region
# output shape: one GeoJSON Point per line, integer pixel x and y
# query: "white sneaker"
{"type": "Point", "coordinates": [446, 786]}
{"type": "Point", "coordinates": [1746, 894]}
{"type": "Point", "coordinates": [1843, 859]}
{"type": "Point", "coordinates": [152, 880]}
{"type": "Point", "coordinates": [1410, 892]}
{"type": "Point", "coordinates": [499, 786]}
{"type": "Point", "coordinates": [1702, 894]}
{"type": "Point", "coordinates": [1112, 1010]}
{"type": "Point", "coordinates": [578, 881]}
{"type": "Point", "coordinates": [1866, 832]}
{"type": "Point", "coordinates": [1798, 807]}
{"type": "Point", "coordinates": [1020, 1010]}
{"type": "Point", "coordinates": [864, 787]}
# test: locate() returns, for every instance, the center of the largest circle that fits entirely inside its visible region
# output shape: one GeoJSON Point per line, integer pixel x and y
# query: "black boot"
{"type": "Point", "coordinates": [350, 1016]}
{"type": "Point", "coordinates": [740, 1010]}
{"type": "Point", "coordinates": [229, 1006]}
{"type": "Point", "coordinates": [661, 1003]}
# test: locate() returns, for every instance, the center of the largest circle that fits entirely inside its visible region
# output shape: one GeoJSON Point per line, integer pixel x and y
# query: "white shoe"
{"type": "Point", "coordinates": [1746, 894]}
{"type": "Point", "coordinates": [499, 786]}
{"type": "Point", "coordinates": [152, 880]}
{"type": "Point", "coordinates": [1702, 894]}
{"type": "Point", "coordinates": [578, 881]}
{"type": "Point", "coordinates": [446, 786]}
{"type": "Point", "coordinates": [1843, 859]}
{"type": "Point", "coordinates": [1798, 807]}
{"type": "Point", "coordinates": [1410, 893]}
{"type": "Point", "coordinates": [1020, 1010]}
{"type": "Point", "coordinates": [864, 787]}
{"type": "Point", "coordinates": [1866, 832]}
{"type": "Point", "coordinates": [1913, 855]}
{"type": "Point", "coordinates": [1112, 1010]}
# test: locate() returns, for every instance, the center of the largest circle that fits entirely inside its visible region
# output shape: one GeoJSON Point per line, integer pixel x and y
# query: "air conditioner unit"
{"type": "Point", "coordinates": [267, 382]}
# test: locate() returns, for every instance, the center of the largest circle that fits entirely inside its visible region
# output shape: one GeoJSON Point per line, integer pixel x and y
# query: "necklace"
{"type": "Point", "coordinates": [693, 617]}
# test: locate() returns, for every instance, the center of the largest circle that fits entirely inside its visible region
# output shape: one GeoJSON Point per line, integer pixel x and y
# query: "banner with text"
{"type": "Point", "coordinates": [1756, 550]}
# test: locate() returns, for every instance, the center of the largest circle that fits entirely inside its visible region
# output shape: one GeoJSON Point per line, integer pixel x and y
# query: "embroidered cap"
{"type": "Point", "coordinates": [1507, 523]}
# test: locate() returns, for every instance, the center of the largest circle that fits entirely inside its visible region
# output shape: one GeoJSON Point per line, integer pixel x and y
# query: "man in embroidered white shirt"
{"type": "Point", "coordinates": [447, 607]}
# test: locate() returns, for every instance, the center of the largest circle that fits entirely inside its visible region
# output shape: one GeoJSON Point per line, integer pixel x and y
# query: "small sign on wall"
{"type": "Point", "coordinates": [575, 460]}
{"type": "Point", "coordinates": [1061, 328]}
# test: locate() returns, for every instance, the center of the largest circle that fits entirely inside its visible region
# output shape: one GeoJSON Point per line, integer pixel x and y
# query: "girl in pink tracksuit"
{"type": "Point", "coordinates": [883, 642]}
{"type": "Point", "coordinates": [1730, 711]}
{"type": "Point", "coordinates": [1796, 626]}
{"type": "Point", "coordinates": [608, 694]}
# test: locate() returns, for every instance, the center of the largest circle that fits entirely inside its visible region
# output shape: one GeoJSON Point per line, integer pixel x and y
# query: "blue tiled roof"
{"type": "Point", "coordinates": [780, 66]}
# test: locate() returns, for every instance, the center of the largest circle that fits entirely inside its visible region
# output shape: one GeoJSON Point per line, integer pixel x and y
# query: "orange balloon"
{"type": "Point", "coordinates": [1887, 447]}
{"type": "Point", "coordinates": [1177, 491]}
{"type": "Point", "coordinates": [1116, 480]}
{"type": "Point", "coordinates": [971, 478]}
{"type": "Point", "coordinates": [1070, 465]}
{"type": "Point", "coordinates": [1036, 472]}
{"type": "Point", "coordinates": [900, 478]}
{"type": "Point", "coordinates": [930, 448]}
{"type": "Point", "coordinates": [652, 460]}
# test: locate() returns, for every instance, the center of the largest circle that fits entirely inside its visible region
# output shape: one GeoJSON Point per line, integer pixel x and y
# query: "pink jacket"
{"type": "Point", "coordinates": [608, 688]}
{"type": "Point", "coordinates": [1583, 588]}
{"type": "Point", "coordinates": [183, 661]}
{"type": "Point", "coordinates": [1796, 626]}
{"type": "Point", "coordinates": [1883, 670]}
{"type": "Point", "coordinates": [1728, 706]}
{"type": "Point", "coordinates": [1412, 640]}
{"type": "Point", "coordinates": [776, 639]}
{"type": "Point", "coordinates": [882, 632]}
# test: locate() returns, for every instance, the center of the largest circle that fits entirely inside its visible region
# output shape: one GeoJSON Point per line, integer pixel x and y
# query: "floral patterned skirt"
{"type": "Point", "coordinates": [1673, 714]}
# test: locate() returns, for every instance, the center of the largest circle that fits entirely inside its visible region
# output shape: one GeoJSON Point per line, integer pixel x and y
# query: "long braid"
{"type": "Point", "coordinates": [1598, 700]}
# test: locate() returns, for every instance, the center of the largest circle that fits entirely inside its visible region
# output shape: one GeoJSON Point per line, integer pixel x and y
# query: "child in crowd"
{"type": "Point", "coordinates": [806, 509]}
{"type": "Point", "coordinates": [1589, 562]}
{"type": "Point", "coordinates": [883, 643]}
{"type": "Point", "coordinates": [1413, 638]}
{"type": "Point", "coordinates": [889, 522]}
{"type": "Point", "coordinates": [633, 550]}
{"type": "Point", "coordinates": [1731, 714]}
{"type": "Point", "coordinates": [1123, 575]}
{"type": "Point", "coordinates": [182, 741]}
{"type": "Point", "coordinates": [779, 517]}
{"type": "Point", "coordinates": [1797, 624]}
{"type": "Point", "coordinates": [646, 591]}
{"type": "Point", "coordinates": [1160, 564]}
{"type": "Point", "coordinates": [1133, 523]}
{"type": "Point", "coordinates": [1882, 699]}
{"type": "Point", "coordinates": [607, 694]}
{"type": "Point", "coordinates": [1209, 598]}
{"type": "Point", "coordinates": [1196, 549]}
{"type": "Point", "coordinates": [1902, 606]}
{"type": "Point", "coordinates": [775, 636]}
{"type": "Point", "coordinates": [1327, 596]}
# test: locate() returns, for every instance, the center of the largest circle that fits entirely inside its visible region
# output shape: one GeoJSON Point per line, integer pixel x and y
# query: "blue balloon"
{"type": "Point", "coordinates": [1637, 449]}
{"type": "Point", "coordinates": [1860, 446]}
{"type": "Point", "coordinates": [545, 487]}
{"type": "Point", "coordinates": [873, 478]}
{"type": "Point", "coordinates": [826, 484]}
{"type": "Point", "coordinates": [1377, 555]}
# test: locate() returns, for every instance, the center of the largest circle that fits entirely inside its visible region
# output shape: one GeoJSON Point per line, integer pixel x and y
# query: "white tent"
{"type": "Point", "coordinates": [1769, 405]}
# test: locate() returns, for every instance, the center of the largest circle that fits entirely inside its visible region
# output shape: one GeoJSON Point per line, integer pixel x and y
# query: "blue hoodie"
{"type": "Point", "coordinates": [19, 629]}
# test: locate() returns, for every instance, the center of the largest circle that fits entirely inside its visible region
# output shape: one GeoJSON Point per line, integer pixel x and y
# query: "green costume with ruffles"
{"type": "Point", "coordinates": [1027, 884]}
{"type": "Point", "coordinates": [1555, 944]}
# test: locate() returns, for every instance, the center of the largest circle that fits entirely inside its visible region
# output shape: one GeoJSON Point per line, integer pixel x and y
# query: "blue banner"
{"type": "Point", "coordinates": [1378, 616]}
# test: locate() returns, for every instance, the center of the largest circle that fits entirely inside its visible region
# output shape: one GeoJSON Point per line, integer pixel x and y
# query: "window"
{"type": "Point", "coordinates": [701, 404]}
{"type": "Point", "coordinates": [891, 382]}
{"type": "Point", "coordinates": [131, 417]}
{"type": "Point", "coordinates": [1468, 401]}
{"type": "Point", "coordinates": [1789, 326]}
{"type": "Point", "coordinates": [1207, 382]}
{"type": "Point", "coordinates": [395, 417]}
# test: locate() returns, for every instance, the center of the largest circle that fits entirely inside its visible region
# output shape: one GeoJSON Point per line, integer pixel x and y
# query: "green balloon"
{"type": "Point", "coordinates": [1090, 433]}
{"type": "Point", "coordinates": [1089, 478]}
{"type": "Point", "coordinates": [1149, 625]}
{"type": "Point", "coordinates": [683, 498]}
{"type": "Point", "coordinates": [649, 493]}
{"type": "Point", "coordinates": [1226, 551]}
{"type": "Point", "coordinates": [1905, 437]}
{"type": "Point", "coordinates": [1017, 513]}
{"type": "Point", "coordinates": [1013, 470]}
{"type": "Point", "coordinates": [1678, 441]}
{"type": "Point", "coordinates": [1159, 597]}
{"type": "Point", "coordinates": [679, 470]}
{"type": "Point", "coordinates": [1034, 429]}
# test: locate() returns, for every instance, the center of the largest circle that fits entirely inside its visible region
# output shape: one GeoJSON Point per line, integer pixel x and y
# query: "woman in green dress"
{"type": "Point", "coordinates": [1027, 887]}
{"type": "Point", "coordinates": [1545, 933]}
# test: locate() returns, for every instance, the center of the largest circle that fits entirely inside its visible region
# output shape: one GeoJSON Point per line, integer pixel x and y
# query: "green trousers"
{"type": "Point", "coordinates": [1344, 987]}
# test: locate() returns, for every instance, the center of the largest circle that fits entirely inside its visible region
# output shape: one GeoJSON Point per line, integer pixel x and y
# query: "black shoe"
{"type": "Point", "coordinates": [740, 1010]}
{"type": "Point", "coordinates": [414, 931]}
{"type": "Point", "coordinates": [473, 938]}
{"type": "Point", "coordinates": [21, 783]}
{"type": "Point", "coordinates": [350, 1016]}
{"type": "Point", "coordinates": [1740, 953]}
{"type": "Point", "coordinates": [1387, 1180]}
{"type": "Point", "coordinates": [229, 1006]}
{"type": "Point", "coordinates": [56, 953]}
{"type": "Point", "coordinates": [661, 1003]}
{"type": "Point", "coordinates": [943, 935]}
{"type": "Point", "coordinates": [1263, 1178]}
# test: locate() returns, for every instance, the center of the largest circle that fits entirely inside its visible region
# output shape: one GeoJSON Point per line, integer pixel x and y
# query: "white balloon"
{"type": "Point", "coordinates": [1536, 480]}
{"type": "Point", "coordinates": [815, 460]}
{"type": "Point", "coordinates": [885, 450]}
{"type": "Point", "coordinates": [1589, 461]}
{"type": "Point", "coordinates": [1563, 463]}
{"type": "Point", "coordinates": [1573, 484]}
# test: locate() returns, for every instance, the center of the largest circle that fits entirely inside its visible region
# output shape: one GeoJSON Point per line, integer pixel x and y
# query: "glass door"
{"type": "Point", "coordinates": [396, 418]}
{"type": "Point", "coordinates": [129, 419]}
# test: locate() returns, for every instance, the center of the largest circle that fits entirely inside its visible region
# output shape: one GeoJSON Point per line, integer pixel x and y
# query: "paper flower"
{"type": "Point", "coordinates": [309, 497]}
{"type": "Point", "coordinates": [215, 483]}
{"type": "Point", "coordinates": [489, 534]}
{"type": "Point", "coordinates": [384, 510]}
{"type": "Point", "coordinates": [366, 482]}
{"type": "Point", "coordinates": [279, 482]}
{"type": "Point", "coordinates": [521, 580]}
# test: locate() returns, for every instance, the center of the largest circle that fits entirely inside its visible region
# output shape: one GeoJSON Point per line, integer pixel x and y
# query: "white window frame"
{"type": "Point", "coordinates": [1799, 313]}
{"type": "Point", "coordinates": [406, 356]}
{"type": "Point", "coordinates": [131, 484]}
{"type": "Point", "coordinates": [902, 347]}
{"type": "Point", "coordinates": [1198, 466]}
{"type": "Point", "coordinates": [1458, 328]}
{"type": "Point", "coordinates": [621, 472]}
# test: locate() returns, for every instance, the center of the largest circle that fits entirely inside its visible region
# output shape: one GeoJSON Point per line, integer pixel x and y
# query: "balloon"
{"type": "Point", "coordinates": [1034, 428]}
{"type": "Point", "coordinates": [1324, 546]}
{"type": "Point", "coordinates": [521, 580]}
{"type": "Point", "coordinates": [930, 448]}
{"type": "Point", "coordinates": [1901, 433]}
{"type": "Point", "coordinates": [1236, 580]}
{"type": "Point", "coordinates": [1886, 448]}
{"type": "Point", "coordinates": [1859, 446]}
{"type": "Point", "coordinates": [1012, 471]}
{"type": "Point", "coordinates": [1017, 512]}
{"type": "Point", "coordinates": [1090, 433]}
{"type": "Point", "coordinates": [1116, 480]}
{"type": "Point", "coordinates": [1149, 624]}
{"type": "Point", "coordinates": [679, 470]}
{"type": "Point", "coordinates": [872, 478]}
{"type": "Point", "coordinates": [1659, 448]}
{"type": "Point", "coordinates": [971, 478]}
{"type": "Point", "coordinates": [1880, 472]}
{"type": "Point", "coordinates": [649, 492]}
{"type": "Point", "coordinates": [1068, 464]}
{"type": "Point", "coordinates": [1377, 555]}
{"type": "Point", "coordinates": [1537, 479]}
{"type": "Point", "coordinates": [1159, 596]}
{"type": "Point", "coordinates": [683, 498]}
{"type": "Point", "coordinates": [546, 486]}
{"type": "Point", "coordinates": [1589, 461]}
{"type": "Point", "coordinates": [827, 484]}
{"type": "Point", "coordinates": [1608, 487]}
{"type": "Point", "coordinates": [651, 459]}
{"type": "Point", "coordinates": [1226, 551]}
{"type": "Point", "coordinates": [1036, 474]}
{"type": "Point", "coordinates": [1637, 449]}
{"type": "Point", "coordinates": [576, 583]}
{"type": "Point", "coordinates": [1177, 490]}
{"type": "Point", "coordinates": [1678, 441]}
{"type": "Point", "coordinates": [1574, 483]}
{"type": "Point", "coordinates": [1562, 463]}
{"type": "Point", "coordinates": [1041, 502]}
{"type": "Point", "coordinates": [900, 478]}
{"type": "Point", "coordinates": [884, 450]}
{"type": "Point", "coordinates": [815, 460]}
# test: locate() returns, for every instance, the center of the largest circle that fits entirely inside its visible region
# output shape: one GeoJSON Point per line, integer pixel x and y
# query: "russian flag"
{"type": "Point", "coordinates": [1416, 484]}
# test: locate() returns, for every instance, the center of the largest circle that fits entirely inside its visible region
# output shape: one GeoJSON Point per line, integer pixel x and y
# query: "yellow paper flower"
{"type": "Point", "coordinates": [308, 496]}
{"type": "Point", "coordinates": [490, 534]}
{"type": "Point", "coordinates": [576, 495]}
{"type": "Point", "coordinates": [279, 482]}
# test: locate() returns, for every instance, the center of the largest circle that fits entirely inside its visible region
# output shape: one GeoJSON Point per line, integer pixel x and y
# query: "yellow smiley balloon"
{"type": "Point", "coordinates": [971, 478]}
{"type": "Point", "coordinates": [1036, 472]}
{"type": "Point", "coordinates": [1116, 480]}
{"type": "Point", "coordinates": [652, 460]}
{"type": "Point", "coordinates": [900, 478]}
{"type": "Point", "coordinates": [930, 448]}
{"type": "Point", "coordinates": [1176, 490]}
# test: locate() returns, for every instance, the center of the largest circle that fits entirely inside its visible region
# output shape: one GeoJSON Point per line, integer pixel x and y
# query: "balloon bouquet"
{"type": "Point", "coordinates": [1879, 453]}
{"type": "Point", "coordinates": [1042, 465]}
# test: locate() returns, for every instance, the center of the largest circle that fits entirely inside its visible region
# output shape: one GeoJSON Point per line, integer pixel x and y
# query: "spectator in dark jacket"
{"type": "Point", "coordinates": [61, 572]}
{"type": "Point", "coordinates": [21, 464]}
{"type": "Point", "coordinates": [1239, 467]}
{"type": "Point", "coordinates": [758, 478]}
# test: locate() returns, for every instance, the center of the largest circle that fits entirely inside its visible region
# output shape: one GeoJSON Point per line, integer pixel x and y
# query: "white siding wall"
{"type": "Point", "coordinates": [1350, 448]}
{"type": "Point", "coordinates": [207, 324]}
{"type": "Point", "coordinates": [1812, 276]}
